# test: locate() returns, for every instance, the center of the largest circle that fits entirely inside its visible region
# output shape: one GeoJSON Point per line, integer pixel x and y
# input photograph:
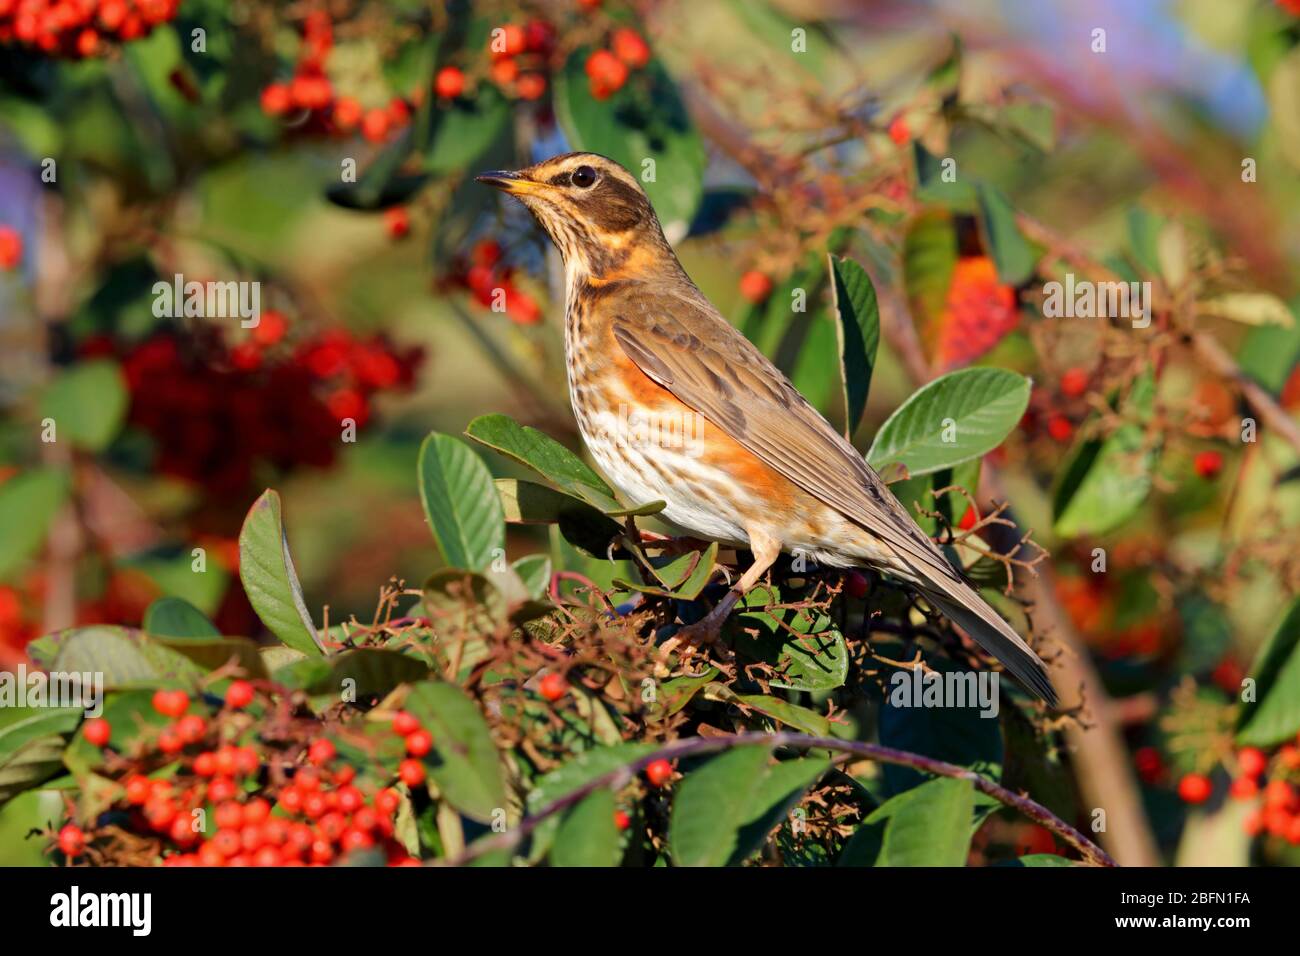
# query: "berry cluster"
{"type": "Point", "coordinates": [490, 281]}
{"type": "Point", "coordinates": [310, 91]}
{"type": "Point", "coordinates": [1258, 775]}
{"type": "Point", "coordinates": [80, 28]}
{"type": "Point", "coordinates": [214, 411]}
{"type": "Point", "coordinates": [258, 808]}
{"type": "Point", "coordinates": [608, 69]}
{"type": "Point", "coordinates": [521, 55]}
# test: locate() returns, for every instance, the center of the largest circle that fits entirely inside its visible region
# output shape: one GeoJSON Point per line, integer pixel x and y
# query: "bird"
{"type": "Point", "coordinates": [763, 469]}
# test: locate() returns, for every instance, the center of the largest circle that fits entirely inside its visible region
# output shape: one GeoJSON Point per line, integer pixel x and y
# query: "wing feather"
{"type": "Point", "coordinates": [680, 341]}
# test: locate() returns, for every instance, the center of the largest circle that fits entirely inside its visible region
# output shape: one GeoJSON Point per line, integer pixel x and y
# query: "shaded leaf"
{"type": "Point", "coordinates": [587, 835]}
{"type": "Point", "coordinates": [270, 579]}
{"type": "Point", "coordinates": [460, 503]}
{"type": "Point", "coordinates": [88, 403]}
{"type": "Point", "coordinates": [857, 331]}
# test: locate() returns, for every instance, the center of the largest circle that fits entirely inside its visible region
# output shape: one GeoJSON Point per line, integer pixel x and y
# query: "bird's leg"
{"type": "Point", "coordinates": [766, 550]}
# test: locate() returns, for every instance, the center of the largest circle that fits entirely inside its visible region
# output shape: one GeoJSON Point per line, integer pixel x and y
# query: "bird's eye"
{"type": "Point", "coordinates": [583, 177]}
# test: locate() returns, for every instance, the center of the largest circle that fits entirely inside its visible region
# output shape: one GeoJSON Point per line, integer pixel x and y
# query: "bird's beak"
{"type": "Point", "coordinates": [506, 181]}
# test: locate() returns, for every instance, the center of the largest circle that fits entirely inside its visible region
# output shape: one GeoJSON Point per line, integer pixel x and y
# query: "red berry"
{"type": "Point", "coordinates": [71, 840]}
{"type": "Point", "coordinates": [87, 43]}
{"type": "Point", "coordinates": [311, 91]}
{"type": "Point", "coordinates": [622, 820]}
{"type": "Point", "coordinates": [170, 742]}
{"type": "Point", "coordinates": [344, 775]}
{"type": "Point", "coordinates": [205, 764]}
{"type": "Point", "coordinates": [222, 788]}
{"type": "Point", "coordinates": [239, 694]}
{"type": "Point", "coordinates": [192, 728]}
{"type": "Point", "coordinates": [137, 790]}
{"type": "Point", "coordinates": [411, 772]}
{"type": "Point", "coordinates": [171, 703]}
{"type": "Point", "coordinates": [1208, 464]}
{"type": "Point", "coordinates": [405, 723]}
{"type": "Point", "coordinates": [514, 40]}
{"type": "Point", "coordinates": [226, 842]}
{"type": "Point", "coordinates": [419, 743]}
{"type": "Point", "coordinates": [755, 286]}
{"type": "Point", "coordinates": [11, 247]}
{"type": "Point", "coordinates": [1194, 788]}
{"type": "Point", "coordinates": [97, 731]}
{"type": "Point", "coordinates": [276, 99]}
{"type": "Point", "coordinates": [856, 584]}
{"type": "Point", "coordinates": [899, 131]}
{"type": "Point", "coordinates": [321, 752]}
{"type": "Point", "coordinates": [290, 799]}
{"type": "Point", "coordinates": [257, 811]}
{"type": "Point", "coordinates": [375, 125]}
{"type": "Point", "coordinates": [606, 72]}
{"type": "Point", "coordinates": [449, 83]}
{"type": "Point", "coordinates": [314, 805]}
{"type": "Point", "coordinates": [1243, 788]}
{"type": "Point", "coordinates": [531, 86]}
{"type": "Point", "coordinates": [270, 328]}
{"type": "Point", "coordinates": [1252, 761]}
{"type": "Point", "coordinates": [268, 856]}
{"type": "Point", "coordinates": [182, 830]}
{"type": "Point", "coordinates": [387, 801]}
{"type": "Point", "coordinates": [659, 772]}
{"type": "Point", "coordinates": [1074, 382]}
{"type": "Point", "coordinates": [397, 221]}
{"type": "Point", "coordinates": [1059, 427]}
{"type": "Point", "coordinates": [553, 686]}
{"type": "Point", "coordinates": [629, 47]}
{"type": "Point", "coordinates": [347, 113]}
{"type": "Point", "coordinates": [228, 815]}
{"type": "Point", "coordinates": [969, 519]}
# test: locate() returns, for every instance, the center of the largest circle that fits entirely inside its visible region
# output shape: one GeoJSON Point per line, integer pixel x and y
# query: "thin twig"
{"type": "Point", "coordinates": [695, 746]}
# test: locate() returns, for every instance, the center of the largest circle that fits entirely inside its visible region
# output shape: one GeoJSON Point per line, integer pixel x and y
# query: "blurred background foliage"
{"type": "Point", "coordinates": [215, 139]}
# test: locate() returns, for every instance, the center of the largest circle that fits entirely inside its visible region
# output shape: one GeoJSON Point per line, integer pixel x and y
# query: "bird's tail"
{"type": "Point", "coordinates": [959, 601]}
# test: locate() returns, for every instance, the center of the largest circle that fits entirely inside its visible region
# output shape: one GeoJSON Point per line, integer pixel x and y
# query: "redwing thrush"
{"type": "Point", "coordinates": [765, 471]}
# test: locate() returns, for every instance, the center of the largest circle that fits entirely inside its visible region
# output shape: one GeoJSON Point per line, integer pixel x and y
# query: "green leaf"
{"type": "Point", "coordinates": [573, 775]}
{"type": "Point", "coordinates": [460, 503]}
{"type": "Point", "coordinates": [814, 657]}
{"type": "Point", "coordinates": [18, 725]}
{"type": "Point", "coordinates": [30, 764]}
{"type": "Point", "coordinates": [779, 792]}
{"type": "Point", "coordinates": [466, 129]}
{"type": "Point", "coordinates": [213, 652]}
{"type": "Point", "coordinates": [29, 503]}
{"type": "Point", "coordinates": [464, 762]}
{"type": "Point", "coordinates": [1249, 308]}
{"type": "Point", "coordinates": [683, 577]}
{"type": "Point", "coordinates": [125, 657]}
{"type": "Point", "coordinates": [588, 835]}
{"type": "Point", "coordinates": [1106, 481]}
{"type": "Point", "coordinates": [929, 259]}
{"type": "Point", "coordinates": [1275, 715]}
{"type": "Point", "coordinates": [777, 709]}
{"type": "Point", "coordinates": [88, 403]}
{"type": "Point", "coordinates": [542, 453]}
{"type": "Point", "coordinates": [372, 671]}
{"type": "Point", "coordinates": [534, 573]}
{"type": "Point", "coordinates": [644, 120]}
{"type": "Point", "coordinates": [1012, 252]}
{"type": "Point", "coordinates": [974, 407]}
{"type": "Point", "coordinates": [929, 825]}
{"type": "Point", "coordinates": [177, 617]}
{"type": "Point", "coordinates": [857, 330]}
{"type": "Point", "coordinates": [270, 579]}
{"type": "Point", "coordinates": [711, 806]}
{"type": "Point", "coordinates": [958, 735]}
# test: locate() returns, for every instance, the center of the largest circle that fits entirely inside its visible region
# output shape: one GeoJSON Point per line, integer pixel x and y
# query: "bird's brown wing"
{"type": "Point", "coordinates": [680, 341]}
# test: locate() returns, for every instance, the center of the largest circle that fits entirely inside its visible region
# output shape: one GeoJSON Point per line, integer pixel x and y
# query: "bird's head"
{"type": "Point", "coordinates": [593, 209]}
